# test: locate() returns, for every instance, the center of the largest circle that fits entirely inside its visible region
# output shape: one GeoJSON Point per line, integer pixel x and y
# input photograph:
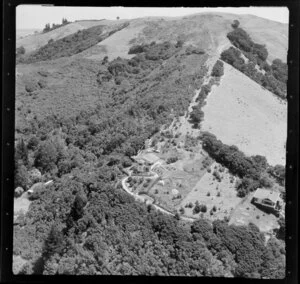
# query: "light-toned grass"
{"type": "Point", "coordinates": [246, 213]}
{"type": "Point", "coordinates": [18, 263]}
{"type": "Point", "coordinates": [206, 192]}
{"type": "Point", "coordinates": [21, 205]}
{"type": "Point", "coordinates": [117, 45]}
{"type": "Point", "coordinates": [240, 112]}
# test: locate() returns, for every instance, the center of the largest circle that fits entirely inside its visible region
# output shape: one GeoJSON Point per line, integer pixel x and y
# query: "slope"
{"type": "Point", "coordinates": [35, 41]}
{"type": "Point", "coordinates": [242, 113]}
{"type": "Point", "coordinates": [205, 30]}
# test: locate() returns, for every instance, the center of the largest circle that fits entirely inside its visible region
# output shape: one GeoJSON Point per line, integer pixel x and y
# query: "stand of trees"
{"type": "Point", "coordinates": [275, 75]}
{"type": "Point", "coordinates": [48, 28]}
{"type": "Point", "coordinates": [252, 170]}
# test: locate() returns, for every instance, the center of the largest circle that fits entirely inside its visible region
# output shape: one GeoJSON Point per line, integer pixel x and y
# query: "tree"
{"type": "Point", "coordinates": [47, 28]}
{"type": "Point", "coordinates": [54, 243]}
{"type": "Point", "coordinates": [78, 206]}
{"type": "Point", "coordinates": [197, 208]}
{"type": "Point", "coordinates": [46, 156]}
{"type": "Point", "coordinates": [196, 115]}
{"type": "Point", "coordinates": [21, 177]}
{"type": "Point", "coordinates": [235, 24]}
{"type": "Point", "coordinates": [20, 50]}
{"type": "Point", "coordinates": [21, 152]}
{"type": "Point", "coordinates": [218, 69]}
{"type": "Point", "coordinates": [281, 231]}
{"type": "Point", "coordinates": [33, 143]}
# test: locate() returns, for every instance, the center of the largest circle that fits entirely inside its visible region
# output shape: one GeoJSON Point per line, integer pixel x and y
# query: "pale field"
{"type": "Point", "coordinates": [240, 112]}
{"type": "Point", "coordinates": [21, 204]}
{"type": "Point", "coordinates": [35, 41]}
{"type": "Point", "coordinates": [225, 203]}
{"type": "Point", "coordinates": [117, 45]}
{"type": "Point", "coordinates": [246, 213]}
{"type": "Point", "coordinates": [18, 263]}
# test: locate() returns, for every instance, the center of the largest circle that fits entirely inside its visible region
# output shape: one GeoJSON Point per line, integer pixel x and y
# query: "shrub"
{"type": "Point", "coordinates": [193, 50]}
{"type": "Point", "coordinates": [203, 208]}
{"type": "Point", "coordinates": [42, 83]}
{"type": "Point", "coordinates": [171, 160]}
{"type": "Point", "coordinates": [197, 208]}
{"type": "Point", "coordinates": [31, 86]}
{"type": "Point", "coordinates": [46, 156]}
{"type": "Point", "coordinates": [137, 49]}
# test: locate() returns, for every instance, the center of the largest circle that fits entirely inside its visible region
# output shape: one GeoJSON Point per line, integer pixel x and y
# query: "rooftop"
{"type": "Point", "coordinates": [262, 193]}
{"type": "Point", "coordinates": [150, 158]}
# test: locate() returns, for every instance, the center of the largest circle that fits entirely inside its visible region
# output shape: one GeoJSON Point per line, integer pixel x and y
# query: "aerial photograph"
{"type": "Point", "coordinates": [150, 141]}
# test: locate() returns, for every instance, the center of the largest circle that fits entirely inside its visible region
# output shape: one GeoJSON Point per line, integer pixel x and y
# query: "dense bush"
{"type": "Point", "coordinates": [20, 51]}
{"type": "Point", "coordinates": [218, 69]}
{"type": "Point", "coordinates": [72, 44]}
{"type": "Point", "coordinates": [252, 170]}
{"type": "Point", "coordinates": [46, 156]}
{"type": "Point", "coordinates": [137, 49]}
{"type": "Point", "coordinates": [275, 76]}
{"type": "Point", "coordinates": [55, 26]}
{"type": "Point", "coordinates": [240, 39]}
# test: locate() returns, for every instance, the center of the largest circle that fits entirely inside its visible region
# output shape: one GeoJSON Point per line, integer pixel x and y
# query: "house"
{"type": "Point", "coordinates": [138, 159]}
{"type": "Point", "coordinates": [268, 199]}
{"type": "Point", "coordinates": [150, 158]}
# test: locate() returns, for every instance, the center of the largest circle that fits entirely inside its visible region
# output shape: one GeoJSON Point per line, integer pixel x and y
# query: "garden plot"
{"type": "Point", "coordinates": [246, 213]}
{"type": "Point", "coordinates": [174, 186]}
{"type": "Point", "coordinates": [213, 193]}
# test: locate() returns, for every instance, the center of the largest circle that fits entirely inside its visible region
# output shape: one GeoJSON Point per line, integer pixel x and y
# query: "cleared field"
{"type": "Point", "coordinates": [35, 41]}
{"type": "Point", "coordinates": [246, 213]}
{"type": "Point", "coordinates": [210, 192]}
{"type": "Point", "coordinates": [173, 188]}
{"type": "Point", "coordinates": [117, 45]}
{"type": "Point", "coordinates": [248, 116]}
{"type": "Point", "coordinates": [18, 263]}
{"type": "Point", "coordinates": [21, 203]}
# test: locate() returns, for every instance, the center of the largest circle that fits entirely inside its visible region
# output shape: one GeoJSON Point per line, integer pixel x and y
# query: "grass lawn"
{"type": "Point", "coordinates": [246, 213]}
{"type": "Point", "coordinates": [210, 192]}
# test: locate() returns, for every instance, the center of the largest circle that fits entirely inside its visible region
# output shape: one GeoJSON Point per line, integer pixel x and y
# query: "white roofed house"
{"type": "Point", "coordinates": [268, 199]}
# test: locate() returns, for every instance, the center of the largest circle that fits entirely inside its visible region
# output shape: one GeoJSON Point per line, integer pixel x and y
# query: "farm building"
{"type": "Point", "coordinates": [269, 199]}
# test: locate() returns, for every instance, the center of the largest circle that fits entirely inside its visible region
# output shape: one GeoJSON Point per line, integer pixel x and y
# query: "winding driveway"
{"type": "Point", "coordinates": [140, 198]}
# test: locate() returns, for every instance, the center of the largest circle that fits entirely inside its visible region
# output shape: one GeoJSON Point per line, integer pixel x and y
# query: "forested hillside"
{"type": "Point", "coordinates": [79, 122]}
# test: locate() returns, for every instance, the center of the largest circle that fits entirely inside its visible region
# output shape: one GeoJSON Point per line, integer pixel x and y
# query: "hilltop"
{"type": "Point", "coordinates": [206, 30]}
